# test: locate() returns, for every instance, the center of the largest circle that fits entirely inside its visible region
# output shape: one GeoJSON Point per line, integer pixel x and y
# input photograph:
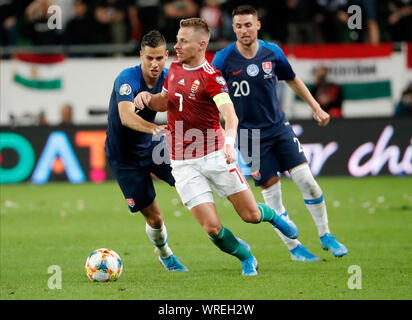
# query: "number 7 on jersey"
{"type": "Point", "coordinates": [180, 100]}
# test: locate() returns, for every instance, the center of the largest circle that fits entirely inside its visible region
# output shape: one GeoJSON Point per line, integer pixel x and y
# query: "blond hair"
{"type": "Point", "coordinates": [198, 24]}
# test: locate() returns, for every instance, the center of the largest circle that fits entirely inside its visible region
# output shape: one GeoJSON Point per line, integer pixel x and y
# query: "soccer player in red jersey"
{"type": "Point", "coordinates": [202, 155]}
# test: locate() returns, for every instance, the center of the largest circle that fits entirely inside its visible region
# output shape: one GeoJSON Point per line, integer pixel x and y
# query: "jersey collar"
{"type": "Point", "coordinates": [257, 52]}
{"type": "Point", "coordinates": [194, 68]}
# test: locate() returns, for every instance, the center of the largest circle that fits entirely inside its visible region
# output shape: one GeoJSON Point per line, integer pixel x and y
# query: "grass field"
{"type": "Point", "coordinates": [60, 224]}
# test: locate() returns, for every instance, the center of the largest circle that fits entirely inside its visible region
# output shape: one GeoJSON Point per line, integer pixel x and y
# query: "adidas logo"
{"type": "Point", "coordinates": [182, 82]}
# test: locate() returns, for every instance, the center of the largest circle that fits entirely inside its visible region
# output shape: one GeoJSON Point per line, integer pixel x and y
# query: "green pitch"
{"type": "Point", "coordinates": [60, 224]}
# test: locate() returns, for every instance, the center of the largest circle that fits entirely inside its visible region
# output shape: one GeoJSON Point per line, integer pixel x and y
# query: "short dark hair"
{"type": "Point", "coordinates": [244, 9]}
{"type": "Point", "coordinates": [152, 39]}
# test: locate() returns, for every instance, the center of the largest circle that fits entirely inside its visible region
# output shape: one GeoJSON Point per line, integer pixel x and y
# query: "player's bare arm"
{"type": "Point", "coordinates": [227, 110]}
{"type": "Point", "coordinates": [133, 121]}
{"type": "Point", "coordinates": [156, 102]}
{"type": "Point", "coordinates": [303, 92]}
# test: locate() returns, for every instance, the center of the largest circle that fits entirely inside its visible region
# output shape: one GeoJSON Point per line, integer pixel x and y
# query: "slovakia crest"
{"type": "Point", "coordinates": [267, 67]}
{"type": "Point", "coordinates": [130, 202]}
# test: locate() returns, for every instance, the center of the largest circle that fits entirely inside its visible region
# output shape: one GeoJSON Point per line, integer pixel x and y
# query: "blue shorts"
{"type": "Point", "coordinates": [277, 154]}
{"type": "Point", "coordinates": [136, 182]}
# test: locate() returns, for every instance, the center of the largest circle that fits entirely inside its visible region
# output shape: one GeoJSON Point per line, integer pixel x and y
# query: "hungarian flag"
{"type": "Point", "coordinates": [365, 72]}
{"type": "Point", "coordinates": [39, 71]}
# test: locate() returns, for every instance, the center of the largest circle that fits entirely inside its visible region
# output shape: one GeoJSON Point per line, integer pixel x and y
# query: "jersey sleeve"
{"type": "Point", "coordinates": [164, 74]}
{"type": "Point", "coordinates": [216, 84]}
{"type": "Point", "coordinates": [218, 60]}
{"type": "Point", "coordinates": [125, 88]}
{"type": "Point", "coordinates": [283, 69]}
{"type": "Point", "coordinates": [165, 84]}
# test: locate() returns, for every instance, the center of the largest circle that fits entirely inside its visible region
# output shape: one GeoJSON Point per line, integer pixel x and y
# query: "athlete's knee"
{"type": "Point", "coordinates": [153, 217]}
{"type": "Point", "coordinates": [273, 180]}
{"type": "Point", "coordinates": [250, 215]}
{"type": "Point", "coordinates": [305, 181]}
{"type": "Point", "coordinates": [311, 187]}
{"type": "Point", "coordinates": [315, 190]}
{"type": "Point", "coordinates": [155, 221]}
{"type": "Point", "coordinates": [212, 229]}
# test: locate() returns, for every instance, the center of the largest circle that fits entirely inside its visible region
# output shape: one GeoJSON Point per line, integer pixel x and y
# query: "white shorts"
{"type": "Point", "coordinates": [195, 177]}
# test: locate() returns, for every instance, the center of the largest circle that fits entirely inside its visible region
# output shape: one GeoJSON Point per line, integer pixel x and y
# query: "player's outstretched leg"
{"type": "Point", "coordinates": [204, 211]}
{"type": "Point", "coordinates": [157, 233]}
{"type": "Point", "coordinates": [166, 257]}
{"type": "Point", "coordinates": [245, 205]}
{"type": "Point", "coordinates": [315, 203]}
{"type": "Point", "coordinates": [286, 226]}
{"type": "Point", "coordinates": [273, 198]}
{"type": "Point", "coordinates": [227, 242]}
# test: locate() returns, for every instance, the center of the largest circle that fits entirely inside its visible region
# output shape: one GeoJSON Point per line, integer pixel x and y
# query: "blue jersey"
{"type": "Point", "coordinates": [252, 85]}
{"type": "Point", "coordinates": [123, 143]}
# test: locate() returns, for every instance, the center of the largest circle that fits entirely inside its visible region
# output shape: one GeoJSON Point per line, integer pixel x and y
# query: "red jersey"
{"type": "Point", "coordinates": [192, 115]}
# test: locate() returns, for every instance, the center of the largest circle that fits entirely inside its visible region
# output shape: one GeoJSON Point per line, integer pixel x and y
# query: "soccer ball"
{"type": "Point", "coordinates": [103, 265]}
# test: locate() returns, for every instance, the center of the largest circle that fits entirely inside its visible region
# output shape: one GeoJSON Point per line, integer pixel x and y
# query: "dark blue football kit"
{"type": "Point", "coordinates": [129, 152]}
{"type": "Point", "coordinates": [252, 85]}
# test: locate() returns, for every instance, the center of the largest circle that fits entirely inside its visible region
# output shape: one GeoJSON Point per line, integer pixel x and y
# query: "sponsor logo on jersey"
{"type": "Point", "coordinates": [237, 72]}
{"type": "Point", "coordinates": [252, 70]}
{"type": "Point", "coordinates": [130, 202]}
{"type": "Point", "coordinates": [256, 175]}
{"type": "Point", "coordinates": [125, 89]}
{"type": "Point", "coordinates": [182, 82]}
{"type": "Point", "coordinates": [220, 80]}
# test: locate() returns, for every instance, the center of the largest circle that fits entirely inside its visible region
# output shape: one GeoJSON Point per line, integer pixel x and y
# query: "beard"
{"type": "Point", "coordinates": [247, 42]}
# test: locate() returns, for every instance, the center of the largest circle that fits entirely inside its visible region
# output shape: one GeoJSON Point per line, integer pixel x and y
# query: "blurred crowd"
{"type": "Point", "coordinates": [24, 22]}
{"type": "Point", "coordinates": [85, 22]}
